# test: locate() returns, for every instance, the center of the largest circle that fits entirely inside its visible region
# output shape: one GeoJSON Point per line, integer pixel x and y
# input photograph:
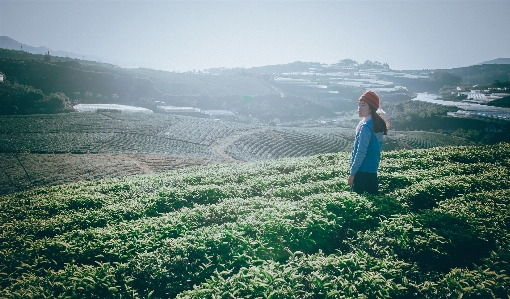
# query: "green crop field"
{"type": "Point", "coordinates": [112, 133]}
{"type": "Point", "coordinates": [285, 228]}
{"type": "Point", "coordinates": [42, 150]}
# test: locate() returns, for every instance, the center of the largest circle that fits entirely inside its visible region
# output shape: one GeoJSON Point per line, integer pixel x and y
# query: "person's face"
{"type": "Point", "coordinates": [363, 109]}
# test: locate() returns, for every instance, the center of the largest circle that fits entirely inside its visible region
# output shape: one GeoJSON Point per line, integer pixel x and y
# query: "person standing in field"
{"type": "Point", "coordinates": [367, 145]}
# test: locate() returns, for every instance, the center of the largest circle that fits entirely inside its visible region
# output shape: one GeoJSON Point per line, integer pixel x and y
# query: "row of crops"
{"type": "Point", "coordinates": [24, 171]}
{"type": "Point", "coordinates": [180, 135]}
{"type": "Point", "coordinates": [201, 131]}
{"type": "Point", "coordinates": [290, 142]}
{"type": "Point", "coordinates": [297, 142]}
{"type": "Point", "coordinates": [87, 123]}
{"type": "Point", "coordinates": [113, 133]}
{"type": "Point", "coordinates": [420, 139]}
{"type": "Point", "coordinates": [284, 228]}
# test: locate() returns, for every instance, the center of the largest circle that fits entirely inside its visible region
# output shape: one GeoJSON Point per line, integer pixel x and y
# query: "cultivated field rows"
{"type": "Point", "coordinates": [56, 169]}
{"type": "Point", "coordinates": [281, 142]}
{"type": "Point", "coordinates": [95, 145]}
{"type": "Point", "coordinates": [112, 133]}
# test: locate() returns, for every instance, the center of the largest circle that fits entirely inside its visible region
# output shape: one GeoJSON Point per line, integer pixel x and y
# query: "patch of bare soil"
{"type": "Point", "coordinates": [25, 171]}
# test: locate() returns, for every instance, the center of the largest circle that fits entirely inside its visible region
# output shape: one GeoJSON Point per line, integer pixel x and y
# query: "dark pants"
{"type": "Point", "coordinates": [365, 182]}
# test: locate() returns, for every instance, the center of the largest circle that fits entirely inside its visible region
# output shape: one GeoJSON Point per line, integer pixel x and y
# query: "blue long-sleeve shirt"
{"type": "Point", "coordinates": [366, 154]}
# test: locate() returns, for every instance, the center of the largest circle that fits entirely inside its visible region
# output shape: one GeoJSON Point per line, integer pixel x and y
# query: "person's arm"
{"type": "Point", "coordinates": [359, 156]}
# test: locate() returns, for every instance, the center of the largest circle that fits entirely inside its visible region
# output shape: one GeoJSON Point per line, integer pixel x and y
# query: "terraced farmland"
{"type": "Point", "coordinates": [290, 142]}
{"type": "Point", "coordinates": [420, 139]}
{"type": "Point", "coordinates": [112, 133]}
{"type": "Point", "coordinates": [103, 145]}
{"type": "Point", "coordinates": [36, 170]}
{"type": "Point", "coordinates": [278, 143]}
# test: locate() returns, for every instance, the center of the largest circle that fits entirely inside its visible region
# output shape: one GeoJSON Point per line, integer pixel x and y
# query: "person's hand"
{"type": "Point", "coordinates": [350, 180]}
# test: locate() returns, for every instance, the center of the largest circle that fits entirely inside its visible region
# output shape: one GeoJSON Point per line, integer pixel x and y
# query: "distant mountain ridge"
{"type": "Point", "coordinates": [497, 61]}
{"type": "Point", "coordinates": [12, 44]}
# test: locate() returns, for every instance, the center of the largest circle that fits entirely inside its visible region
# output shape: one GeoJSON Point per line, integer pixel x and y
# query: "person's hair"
{"type": "Point", "coordinates": [379, 124]}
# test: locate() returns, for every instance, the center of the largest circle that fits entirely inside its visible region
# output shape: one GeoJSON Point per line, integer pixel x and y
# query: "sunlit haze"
{"type": "Point", "coordinates": [187, 35]}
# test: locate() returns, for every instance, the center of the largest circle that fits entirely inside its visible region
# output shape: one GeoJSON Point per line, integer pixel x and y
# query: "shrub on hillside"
{"type": "Point", "coordinates": [503, 102]}
{"type": "Point", "coordinates": [23, 99]}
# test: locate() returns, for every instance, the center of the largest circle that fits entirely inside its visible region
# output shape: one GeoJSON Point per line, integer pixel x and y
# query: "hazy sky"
{"type": "Point", "coordinates": [186, 35]}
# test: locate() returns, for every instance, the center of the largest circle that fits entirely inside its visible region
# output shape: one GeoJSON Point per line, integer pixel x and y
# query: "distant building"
{"type": "Point", "coordinates": [189, 111]}
{"type": "Point", "coordinates": [476, 95]}
{"type": "Point", "coordinates": [368, 72]}
{"type": "Point", "coordinates": [109, 108]}
{"type": "Point", "coordinates": [479, 96]}
{"type": "Point", "coordinates": [484, 114]}
{"type": "Point", "coordinates": [218, 113]}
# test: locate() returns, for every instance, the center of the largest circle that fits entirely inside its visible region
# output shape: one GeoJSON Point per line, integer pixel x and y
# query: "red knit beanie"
{"type": "Point", "coordinates": [371, 98]}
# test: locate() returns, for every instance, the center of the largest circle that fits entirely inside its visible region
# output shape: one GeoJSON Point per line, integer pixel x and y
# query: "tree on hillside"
{"type": "Point", "coordinates": [503, 102]}
{"type": "Point", "coordinates": [18, 99]}
{"type": "Point", "coordinates": [23, 99]}
{"type": "Point", "coordinates": [373, 65]}
{"type": "Point", "coordinates": [499, 84]}
{"type": "Point", "coordinates": [347, 62]}
{"type": "Point", "coordinates": [415, 115]}
{"type": "Point", "coordinates": [55, 102]}
{"type": "Point", "coordinates": [47, 57]}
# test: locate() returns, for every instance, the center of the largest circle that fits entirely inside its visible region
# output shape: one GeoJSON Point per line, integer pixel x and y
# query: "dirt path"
{"type": "Point", "coordinates": [144, 168]}
{"type": "Point", "coordinates": [220, 146]}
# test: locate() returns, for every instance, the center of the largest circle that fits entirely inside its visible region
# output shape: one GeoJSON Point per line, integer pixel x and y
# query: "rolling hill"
{"type": "Point", "coordinates": [275, 229]}
{"type": "Point", "coordinates": [12, 44]}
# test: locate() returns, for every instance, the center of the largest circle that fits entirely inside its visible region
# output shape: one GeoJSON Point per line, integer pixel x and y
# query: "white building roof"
{"type": "Point", "coordinates": [178, 109]}
{"type": "Point", "coordinates": [218, 112]}
{"type": "Point", "coordinates": [123, 108]}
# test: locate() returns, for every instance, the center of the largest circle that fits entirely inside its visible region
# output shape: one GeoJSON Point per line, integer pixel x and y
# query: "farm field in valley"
{"type": "Point", "coordinates": [56, 169]}
{"type": "Point", "coordinates": [40, 150]}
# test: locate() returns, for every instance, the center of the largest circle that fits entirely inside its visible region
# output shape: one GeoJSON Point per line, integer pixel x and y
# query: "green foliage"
{"type": "Point", "coordinates": [373, 65]}
{"type": "Point", "coordinates": [113, 133]}
{"type": "Point", "coordinates": [71, 78]}
{"type": "Point", "coordinates": [17, 98]}
{"type": "Point", "coordinates": [274, 229]}
{"type": "Point", "coordinates": [468, 134]}
{"type": "Point", "coordinates": [416, 115]}
{"type": "Point", "coordinates": [22, 99]}
{"type": "Point", "coordinates": [449, 93]}
{"type": "Point", "coordinates": [503, 102]}
{"type": "Point", "coordinates": [499, 84]}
